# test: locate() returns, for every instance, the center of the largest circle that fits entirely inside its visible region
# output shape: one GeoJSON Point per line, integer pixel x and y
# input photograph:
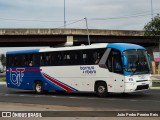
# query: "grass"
{"type": "Point", "coordinates": [156, 83]}
{"type": "Point", "coordinates": [2, 79]}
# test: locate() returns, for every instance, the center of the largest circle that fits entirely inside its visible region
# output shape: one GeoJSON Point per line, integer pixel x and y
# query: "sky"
{"type": "Point", "coordinates": [100, 14]}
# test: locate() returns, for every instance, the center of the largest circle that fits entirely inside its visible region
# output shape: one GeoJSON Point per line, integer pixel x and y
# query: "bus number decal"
{"type": "Point", "coordinates": [16, 76]}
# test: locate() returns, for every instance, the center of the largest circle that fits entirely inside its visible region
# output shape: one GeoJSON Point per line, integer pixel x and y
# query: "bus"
{"type": "Point", "coordinates": [100, 68]}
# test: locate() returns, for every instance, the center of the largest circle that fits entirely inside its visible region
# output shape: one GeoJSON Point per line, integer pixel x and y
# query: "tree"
{"type": "Point", "coordinates": [3, 59]}
{"type": "Point", "coordinates": [153, 27]}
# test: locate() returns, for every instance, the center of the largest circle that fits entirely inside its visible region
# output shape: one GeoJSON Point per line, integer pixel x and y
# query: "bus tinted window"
{"type": "Point", "coordinates": [56, 58]}
{"type": "Point", "coordinates": [36, 59]}
{"type": "Point", "coordinates": [76, 57]}
{"type": "Point", "coordinates": [91, 57]}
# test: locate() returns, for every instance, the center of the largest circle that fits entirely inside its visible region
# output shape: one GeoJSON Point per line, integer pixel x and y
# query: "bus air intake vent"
{"type": "Point", "coordinates": [141, 87]}
{"type": "Point", "coordinates": [141, 80]}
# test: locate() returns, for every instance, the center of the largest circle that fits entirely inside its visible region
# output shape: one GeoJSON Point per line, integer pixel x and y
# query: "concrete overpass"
{"type": "Point", "coordinates": [52, 37]}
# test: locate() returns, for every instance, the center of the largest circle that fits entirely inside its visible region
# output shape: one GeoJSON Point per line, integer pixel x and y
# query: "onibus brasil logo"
{"type": "Point", "coordinates": [16, 76]}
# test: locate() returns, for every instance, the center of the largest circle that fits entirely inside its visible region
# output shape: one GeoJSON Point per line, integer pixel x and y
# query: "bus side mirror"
{"type": "Point", "coordinates": [125, 61]}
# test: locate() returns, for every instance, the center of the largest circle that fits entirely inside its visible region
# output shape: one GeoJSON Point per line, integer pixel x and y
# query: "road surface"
{"type": "Point", "coordinates": [144, 101]}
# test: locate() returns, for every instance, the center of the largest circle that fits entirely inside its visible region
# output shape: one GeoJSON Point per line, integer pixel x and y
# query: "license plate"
{"type": "Point", "coordinates": [143, 83]}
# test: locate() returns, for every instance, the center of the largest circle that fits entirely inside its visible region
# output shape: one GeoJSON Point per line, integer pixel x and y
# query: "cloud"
{"type": "Point", "coordinates": [53, 10]}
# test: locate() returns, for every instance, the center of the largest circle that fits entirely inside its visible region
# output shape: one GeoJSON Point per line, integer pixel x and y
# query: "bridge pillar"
{"type": "Point", "coordinates": [69, 41]}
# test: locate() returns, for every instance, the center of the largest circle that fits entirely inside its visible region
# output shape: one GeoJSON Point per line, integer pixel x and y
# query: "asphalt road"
{"type": "Point", "coordinates": [144, 101]}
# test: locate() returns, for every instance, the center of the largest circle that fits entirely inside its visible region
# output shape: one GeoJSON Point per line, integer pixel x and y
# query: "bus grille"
{"type": "Point", "coordinates": [141, 87]}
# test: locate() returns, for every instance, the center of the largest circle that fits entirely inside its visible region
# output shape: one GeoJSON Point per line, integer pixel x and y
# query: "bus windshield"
{"type": "Point", "coordinates": [137, 61]}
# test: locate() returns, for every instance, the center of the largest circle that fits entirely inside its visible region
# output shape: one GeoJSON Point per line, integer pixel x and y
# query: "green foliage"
{"type": "Point", "coordinates": [153, 27]}
{"type": "Point", "coordinates": [3, 59]}
{"type": "Point", "coordinates": [2, 79]}
{"type": "Point", "coordinates": [156, 84]}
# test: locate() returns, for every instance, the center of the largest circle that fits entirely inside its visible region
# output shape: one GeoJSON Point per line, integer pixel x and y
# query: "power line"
{"type": "Point", "coordinates": [11, 19]}
{"type": "Point", "coordinates": [145, 11]}
{"type": "Point", "coordinates": [121, 17]}
{"type": "Point", "coordinates": [139, 14]}
{"type": "Point", "coordinates": [70, 23]}
{"type": "Point", "coordinates": [33, 20]}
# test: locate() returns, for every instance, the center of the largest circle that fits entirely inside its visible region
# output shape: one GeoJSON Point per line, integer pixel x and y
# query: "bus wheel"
{"type": "Point", "coordinates": [38, 87]}
{"type": "Point", "coordinates": [101, 89]}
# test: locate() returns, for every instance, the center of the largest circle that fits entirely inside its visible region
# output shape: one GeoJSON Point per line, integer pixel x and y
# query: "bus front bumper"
{"type": "Point", "coordinates": [138, 86]}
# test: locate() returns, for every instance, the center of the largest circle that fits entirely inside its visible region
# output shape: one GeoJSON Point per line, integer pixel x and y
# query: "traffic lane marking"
{"type": "Point", "coordinates": [74, 97]}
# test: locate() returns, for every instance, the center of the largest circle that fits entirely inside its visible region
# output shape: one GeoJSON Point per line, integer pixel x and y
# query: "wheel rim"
{"type": "Point", "coordinates": [38, 88]}
{"type": "Point", "coordinates": [101, 89]}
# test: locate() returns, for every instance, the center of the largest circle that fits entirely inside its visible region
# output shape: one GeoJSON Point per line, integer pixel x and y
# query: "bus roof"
{"type": "Point", "coordinates": [23, 51]}
{"type": "Point", "coordinates": [124, 46]}
{"type": "Point", "coordinates": [120, 46]}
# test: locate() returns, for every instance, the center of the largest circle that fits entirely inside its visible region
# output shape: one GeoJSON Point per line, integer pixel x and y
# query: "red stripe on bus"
{"type": "Point", "coordinates": [57, 83]}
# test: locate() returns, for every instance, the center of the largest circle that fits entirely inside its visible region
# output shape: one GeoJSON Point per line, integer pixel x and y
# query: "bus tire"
{"type": "Point", "coordinates": [38, 87]}
{"type": "Point", "coordinates": [101, 89]}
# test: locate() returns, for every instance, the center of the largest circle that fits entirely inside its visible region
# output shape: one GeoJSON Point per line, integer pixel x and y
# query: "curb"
{"type": "Point", "coordinates": [2, 83]}
{"type": "Point", "coordinates": [155, 87]}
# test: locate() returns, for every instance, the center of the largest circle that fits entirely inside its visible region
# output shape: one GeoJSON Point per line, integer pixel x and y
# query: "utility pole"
{"type": "Point", "coordinates": [87, 30]}
{"type": "Point", "coordinates": [152, 9]}
{"type": "Point", "coordinates": [64, 14]}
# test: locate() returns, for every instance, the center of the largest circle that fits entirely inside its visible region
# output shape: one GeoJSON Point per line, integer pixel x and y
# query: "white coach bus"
{"type": "Point", "coordinates": [100, 68]}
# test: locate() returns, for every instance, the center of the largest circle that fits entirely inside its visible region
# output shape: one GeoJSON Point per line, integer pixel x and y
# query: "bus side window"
{"type": "Point", "coordinates": [87, 57]}
{"type": "Point", "coordinates": [75, 57]}
{"type": "Point", "coordinates": [58, 59]}
{"type": "Point", "coordinates": [31, 63]}
{"type": "Point", "coordinates": [42, 59]}
{"type": "Point", "coordinates": [109, 64]}
{"type": "Point", "coordinates": [53, 59]}
{"type": "Point", "coordinates": [114, 63]}
{"type": "Point", "coordinates": [97, 54]}
{"type": "Point", "coordinates": [66, 58]}
{"type": "Point", "coordinates": [30, 60]}
{"type": "Point", "coordinates": [48, 59]}
{"type": "Point", "coordinates": [16, 61]}
{"type": "Point", "coordinates": [117, 64]}
{"type": "Point", "coordinates": [36, 59]}
{"type": "Point", "coordinates": [84, 58]}
{"type": "Point", "coordinates": [26, 61]}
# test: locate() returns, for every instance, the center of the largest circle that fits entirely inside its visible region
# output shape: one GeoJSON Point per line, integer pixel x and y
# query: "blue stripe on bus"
{"type": "Point", "coordinates": [23, 51]}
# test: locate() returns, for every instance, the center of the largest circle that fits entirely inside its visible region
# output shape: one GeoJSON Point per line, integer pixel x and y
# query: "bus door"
{"type": "Point", "coordinates": [114, 64]}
